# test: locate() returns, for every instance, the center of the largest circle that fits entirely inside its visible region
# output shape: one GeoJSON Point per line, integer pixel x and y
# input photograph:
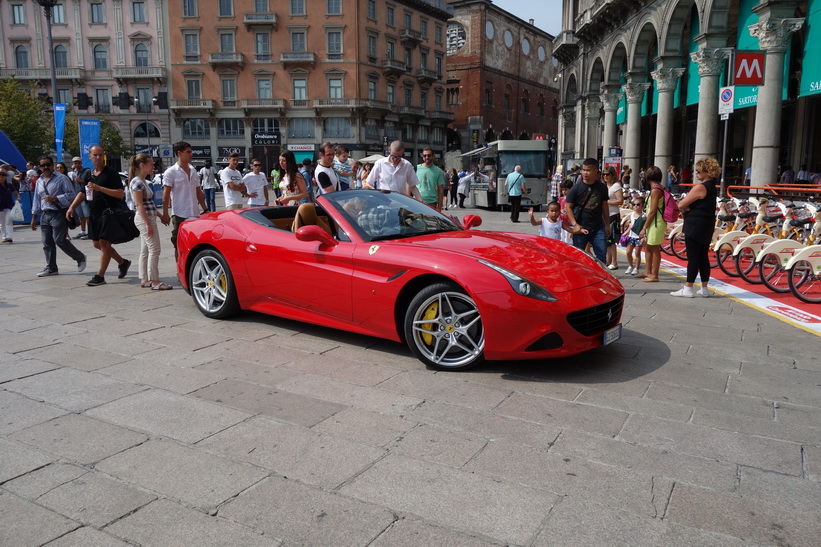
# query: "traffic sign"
{"type": "Point", "coordinates": [725, 100]}
{"type": "Point", "coordinates": [749, 68]}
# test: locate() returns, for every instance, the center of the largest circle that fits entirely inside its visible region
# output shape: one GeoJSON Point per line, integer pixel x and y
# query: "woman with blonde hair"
{"type": "Point", "coordinates": [141, 166]}
{"type": "Point", "coordinates": [699, 206]}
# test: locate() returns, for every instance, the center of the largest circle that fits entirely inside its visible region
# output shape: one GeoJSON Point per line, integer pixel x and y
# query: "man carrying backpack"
{"type": "Point", "coordinates": [586, 207]}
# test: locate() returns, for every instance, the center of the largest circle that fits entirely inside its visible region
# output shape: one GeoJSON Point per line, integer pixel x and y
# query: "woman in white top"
{"type": "Point", "coordinates": [142, 165]}
{"type": "Point", "coordinates": [615, 197]}
{"type": "Point", "coordinates": [292, 186]}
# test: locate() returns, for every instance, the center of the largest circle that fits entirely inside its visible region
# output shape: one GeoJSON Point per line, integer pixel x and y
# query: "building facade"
{"type": "Point", "coordinates": [110, 59]}
{"type": "Point", "coordinates": [500, 76]}
{"type": "Point", "coordinates": [646, 77]}
{"type": "Point", "coordinates": [259, 76]}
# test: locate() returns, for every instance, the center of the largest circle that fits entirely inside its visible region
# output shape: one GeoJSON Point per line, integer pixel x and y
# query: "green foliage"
{"type": "Point", "coordinates": [26, 119]}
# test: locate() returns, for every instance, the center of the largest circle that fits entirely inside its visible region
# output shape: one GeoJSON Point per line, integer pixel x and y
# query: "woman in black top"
{"type": "Point", "coordinates": [699, 207]}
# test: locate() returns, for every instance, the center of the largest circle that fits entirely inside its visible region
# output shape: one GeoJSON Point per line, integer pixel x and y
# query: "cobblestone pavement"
{"type": "Point", "coordinates": [126, 417]}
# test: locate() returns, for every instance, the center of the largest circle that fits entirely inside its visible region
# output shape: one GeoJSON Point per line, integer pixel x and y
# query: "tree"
{"type": "Point", "coordinates": [26, 119]}
{"type": "Point", "coordinates": [110, 138]}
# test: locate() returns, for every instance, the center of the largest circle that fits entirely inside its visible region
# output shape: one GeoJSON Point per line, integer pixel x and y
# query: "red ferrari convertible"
{"type": "Point", "coordinates": [386, 265]}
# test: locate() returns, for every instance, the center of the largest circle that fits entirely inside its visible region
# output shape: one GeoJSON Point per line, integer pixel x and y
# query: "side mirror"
{"type": "Point", "coordinates": [315, 233]}
{"type": "Point", "coordinates": [471, 221]}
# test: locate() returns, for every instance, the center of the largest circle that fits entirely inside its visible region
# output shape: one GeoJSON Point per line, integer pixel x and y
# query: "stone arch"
{"type": "Point", "coordinates": [719, 14]}
{"type": "Point", "coordinates": [596, 76]}
{"type": "Point", "coordinates": [645, 50]}
{"type": "Point", "coordinates": [671, 39]}
{"type": "Point", "coordinates": [571, 92]}
{"type": "Point", "coordinates": [616, 65]}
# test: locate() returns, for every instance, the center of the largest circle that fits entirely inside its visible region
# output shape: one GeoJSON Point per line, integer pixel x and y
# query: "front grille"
{"type": "Point", "coordinates": [598, 318]}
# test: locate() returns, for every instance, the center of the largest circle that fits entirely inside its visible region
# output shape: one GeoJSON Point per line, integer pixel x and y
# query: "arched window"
{"type": "Point", "coordinates": [525, 102]}
{"type": "Point", "coordinates": [60, 56]}
{"type": "Point", "coordinates": [508, 94]}
{"type": "Point", "coordinates": [21, 57]}
{"type": "Point", "coordinates": [100, 57]}
{"type": "Point", "coordinates": [540, 106]}
{"type": "Point", "coordinates": [140, 55]}
{"type": "Point", "coordinates": [139, 131]}
{"type": "Point", "coordinates": [196, 129]}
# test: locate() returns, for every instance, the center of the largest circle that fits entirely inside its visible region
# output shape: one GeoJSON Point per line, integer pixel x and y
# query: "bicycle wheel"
{"type": "Point", "coordinates": [805, 284]}
{"type": "Point", "coordinates": [746, 266]}
{"type": "Point", "coordinates": [678, 247]}
{"type": "Point", "coordinates": [726, 260]}
{"type": "Point", "coordinates": [773, 275]}
{"type": "Point", "coordinates": [665, 245]}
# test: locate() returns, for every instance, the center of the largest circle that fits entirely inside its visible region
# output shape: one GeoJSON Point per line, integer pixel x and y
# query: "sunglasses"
{"type": "Point", "coordinates": [46, 164]}
{"type": "Point", "coordinates": [257, 165]}
{"type": "Point", "coordinates": [2, 174]}
{"type": "Point", "coordinates": [427, 155]}
{"type": "Point", "coordinates": [637, 204]}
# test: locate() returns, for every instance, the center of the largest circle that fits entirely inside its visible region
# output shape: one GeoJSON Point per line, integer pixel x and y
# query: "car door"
{"type": "Point", "coordinates": [304, 275]}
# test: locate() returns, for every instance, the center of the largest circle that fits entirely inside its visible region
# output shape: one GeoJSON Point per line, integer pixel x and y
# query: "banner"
{"type": "Point", "coordinates": [59, 129]}
{"type": "Point", "coordinates": [89, 136]}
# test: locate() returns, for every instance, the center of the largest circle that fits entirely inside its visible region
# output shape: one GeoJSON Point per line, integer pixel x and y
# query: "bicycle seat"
{"type": "Point", "coordinates": [747, 215]}
{"type": "Point", "coordinates": [772, 219]}
{"type": "Point", "coordinates": [726, 218]}
{"type": "Point", "coordinates": [801, 221]}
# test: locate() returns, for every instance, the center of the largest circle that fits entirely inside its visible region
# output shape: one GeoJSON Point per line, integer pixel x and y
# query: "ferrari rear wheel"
{"type": "Point", "coordinates": [212, 285]}
{"type": "Point", "coordinates": [443, 328]}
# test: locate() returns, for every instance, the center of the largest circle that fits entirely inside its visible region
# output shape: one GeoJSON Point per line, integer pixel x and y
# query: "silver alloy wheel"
{"type": "Point", "coordinates": [210, 284]}
{"type": "Point", "coordinates": [447, 330]}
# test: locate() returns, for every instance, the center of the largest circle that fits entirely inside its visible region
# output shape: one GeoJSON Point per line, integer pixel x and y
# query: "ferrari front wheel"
{"type": "Point", "coordinates": [212, 285]}
{"type": "Point", "coordinates": [443, 328]}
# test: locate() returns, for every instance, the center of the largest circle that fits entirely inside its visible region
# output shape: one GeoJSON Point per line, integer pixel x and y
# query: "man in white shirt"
{"type": "Point", "coordinates": [326, 176]}
{"type": "Point", "coordinates": [208, 180]}
{"type": "Point", "coordinates": [181, 191]}
{"type": "Point", "coordinates": [395, 173]}
{"type": "Point", "coordinates": [256, 185]}
{"type": "Point", "coordinates": [232, 187]}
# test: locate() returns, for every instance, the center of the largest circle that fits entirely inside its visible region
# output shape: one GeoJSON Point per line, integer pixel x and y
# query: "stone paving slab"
{"type": "Point", "coordinates": [563, 414]}
{"type": "Point", "coordinates": [353, 372]}
{"type": "Point", "coordinates": [87, 537]}
{"type": "Point", "coordinates": [25, 523]}
{"type": "Point", "coordinates": [77, 357]}
{"type": "Point", "coordinates": [445, 388]}
{"type": "Point", "coordinates": [254, 373]}
{"type": "Point", "coordinates": [17, 459]}
{"type": "Point", "coordinates": [41, 481]}
{"type": "Point", "coordinates": [413, 533]}
{"type": "Point", "coordinates": [16, 367]}
{"type": "Point", "coordinates": [19, 412]}
{"type": "Point", "coordinates": [168, 377]}
{"type": "Point", "coordinates": [368, 427]}
{"type": "Point", "coordinates": [438, 445]}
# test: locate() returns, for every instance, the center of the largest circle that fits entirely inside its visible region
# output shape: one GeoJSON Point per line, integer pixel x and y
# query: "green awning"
{"type": "Point", "coordinates": [811, 67]}
{"type": "Point", "coordinates": [745, 95]}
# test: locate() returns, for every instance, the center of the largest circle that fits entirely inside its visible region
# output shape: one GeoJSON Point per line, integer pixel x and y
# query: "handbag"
{"type": "Point", "coordinates": [117, 224]}
{"type": "Point", "coordinates": [16, 213]}
{"type": "Point", "coordinates": [623, 239]}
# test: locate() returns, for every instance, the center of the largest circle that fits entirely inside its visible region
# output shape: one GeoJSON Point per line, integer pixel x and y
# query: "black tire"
{"type": "Point", "coordinates": [726, 260]}
{"type": "Point", "coordinates": [678, 247]}
{"type": "Point", "coordinates": [443, 328]}
{"type": "Point", "coordinates": [773, 275]}
{"type": "Point", "coordinates": [746, 266]}
{"type": "Point", "coordinates": [804, 284]}
{"type": "Point", "coordinates": [212, 285]}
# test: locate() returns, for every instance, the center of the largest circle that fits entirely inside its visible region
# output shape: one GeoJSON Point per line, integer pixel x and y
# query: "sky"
{"type": "Point", "coordinates": [546, 14]}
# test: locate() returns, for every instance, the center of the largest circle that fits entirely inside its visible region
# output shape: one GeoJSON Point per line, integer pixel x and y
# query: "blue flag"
{"type": "Point", "coordinates": [59, 129]}
{"type": "Point", "coordinates": [89, 136]}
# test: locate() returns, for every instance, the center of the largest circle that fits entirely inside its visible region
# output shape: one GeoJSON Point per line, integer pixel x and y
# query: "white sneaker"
{"type": "Point", "coordinates": [611, 267]}
{"type": "Point", "coordinates": [705, 292]}
{"type": "Point", "coordinates": [629, 271]}
{"type": "Point", "coordinates": [685, 291]}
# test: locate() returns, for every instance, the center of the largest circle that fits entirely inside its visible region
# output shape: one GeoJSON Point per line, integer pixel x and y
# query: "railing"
{"type": "Point", "coordinates": [259, 19]}
{"type": "Point", "coordinates": [225, 58]}
{"type": "Point", "coordinates": [297, 57]}
{"type": "Point", "coordinates": [412, 111]}
{"type": "Point", "coordinates": [192, 103]}
{"type": "Point", "coordinates": [393, 65]}
{"type": "Point", "coordinates": [134, 72]}
{"type": "Point", "coordinates": [43, 74]}
{"type": "Point", "coordinates": [440, 115]}
{"type": "Point", "coordinates": [410, 35]}
{"type": "Point", "coordinates": [263, 103]}
{"type": "Point", "coordinates": [299, 103]}
{"type": "Point", "coordinates": [320, 103]}
{"type": "Point", "coordinates": [426, 74]}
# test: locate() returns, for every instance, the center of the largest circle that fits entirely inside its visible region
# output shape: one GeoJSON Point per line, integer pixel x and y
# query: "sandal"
{"type": "Point", "coordinates": [145, 285]}
{"type": "Point", "coordinates": [651, 279]}
{"type": "Point", "coordinates": [161, 287]}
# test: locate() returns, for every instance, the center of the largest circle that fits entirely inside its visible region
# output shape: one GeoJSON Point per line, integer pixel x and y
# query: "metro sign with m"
{"type": "Point", "coordinates": [749, 68]}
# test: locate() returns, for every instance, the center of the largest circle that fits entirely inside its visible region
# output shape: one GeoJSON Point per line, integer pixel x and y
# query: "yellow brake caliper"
{"type": "Point", "coordinates": [430, 313]}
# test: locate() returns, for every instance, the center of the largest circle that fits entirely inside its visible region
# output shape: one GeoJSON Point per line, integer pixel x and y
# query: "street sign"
{"type": "Point", "coordinates": [725, 100]}
{"type": "Point", "coordinates": [749, 68]}
{"type": "Point", "coordinates": [166, 151]}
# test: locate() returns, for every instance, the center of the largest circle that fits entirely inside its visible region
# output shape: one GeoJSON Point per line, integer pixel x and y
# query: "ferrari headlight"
{"type": "Point", "coordinates": [521, 285]}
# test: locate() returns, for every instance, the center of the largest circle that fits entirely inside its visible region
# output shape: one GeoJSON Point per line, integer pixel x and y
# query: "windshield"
{"type": "Point", "coordinates": [533, 163]}
{"type": "Point", "coordinates": [385, 215]}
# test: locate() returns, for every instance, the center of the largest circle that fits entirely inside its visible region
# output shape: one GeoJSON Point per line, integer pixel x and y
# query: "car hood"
{"type": "Point", "coordinates": [552, 264]}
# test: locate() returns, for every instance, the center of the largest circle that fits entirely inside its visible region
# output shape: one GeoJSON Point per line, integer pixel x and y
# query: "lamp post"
{"type": "Point", "coordinates": [48, 6]}
{"type": "Point", "coordinates": [147, 130]}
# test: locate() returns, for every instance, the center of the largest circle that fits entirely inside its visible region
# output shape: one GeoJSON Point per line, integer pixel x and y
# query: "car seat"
{"type": "Point", "coordinates": [306, 216]}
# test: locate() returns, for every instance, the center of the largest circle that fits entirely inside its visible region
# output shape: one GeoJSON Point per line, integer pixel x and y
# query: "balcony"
{"type": "Point", "coordinates": [190, 105]}
{"type": "Point", "coordinates": [426, 75]}
{"type": "Point", "coordinates": [263, 105]}
{"type": "Point", "coordinates": [566, 46]}
{"type": "Point", "coordinates": [42, 74]}
{"type": "Point", "coordinates": [259, 20]}
{"type": "Point", "coordinates": [300, 103]}
{"type": "Point", "coordinates": [412, 111]}
{"type": "Point", "coordinates": [440, 115]}
{"type": "Point", "coordinates": [225, 59]}
{"type": "Point", "coordinates": [373, 104]}
{"type": "Point", "coordinates": [393, 67]}
{"type": "Point", "coordinates": [297, 58]}
{"type": "Point", "coordinates": [124, 73]}
{"type": "Point", "coordinates": [410, 36]}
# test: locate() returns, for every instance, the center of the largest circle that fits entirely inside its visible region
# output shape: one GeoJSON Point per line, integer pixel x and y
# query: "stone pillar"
{"type": "Point", "coordinates": [666, 82]}
{"type": "Point", "coordinates": [578, 143]}
{"type": "Point", "coordinates": [569, 124]}
{"type": "Point", "coordinates": [774, 37]}
{"type": "Point", "coordinates": [632, 140]}
{"type": "Point", "coordinates": [592, 115]}
{"type": "Point", "coordinates": [610, 102]}
{"type": "Point", "coordinates": [710, 63]}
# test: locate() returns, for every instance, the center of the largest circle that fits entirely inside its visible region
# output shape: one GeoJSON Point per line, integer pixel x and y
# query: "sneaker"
{"type": "Point", "coordinates": [629, 271]}
{"type": "Point", "coordinates": [82, 235]}
{"type": "Point", "coordinates": [685, 291]}
{"type": "Point", "coordinates": [46, 272]}
{"type": "Point", "coordinates": [705, 292]}
{"type": "Point", "coordinates": [612, 267]}
{"type": "Point", "coordinates": [96, 280]}
{"type": "Point", "coordinates": [123, 268]}
{"type": "Point", "coordinates": [81, 264]}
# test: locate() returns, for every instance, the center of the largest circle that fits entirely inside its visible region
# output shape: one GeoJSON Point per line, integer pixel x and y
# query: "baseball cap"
{"type": "Point", "coordinates": [76, 158]}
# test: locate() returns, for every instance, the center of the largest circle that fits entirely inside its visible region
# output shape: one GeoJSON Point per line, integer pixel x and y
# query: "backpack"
{"type": "Point", "coordinates": [669, 212]}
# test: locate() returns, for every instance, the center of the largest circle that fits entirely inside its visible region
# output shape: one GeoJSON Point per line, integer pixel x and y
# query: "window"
{"type": "Point", "coordinates": [264, 89]}
{"type": "Point", "coordinates": [438, 135]}
{"type": "Point", "coordinates": [408, 57]}
{"type": "Point", "coordinates": [141, 55]}
{"type": "Point", "coordinates": [18, 14]}
{"type": "Point", "coordinates": [408, 20]}
{"type": "Point", "coordinates": [231, 128]}
{"type": "Point", "coordinates": [540, 106]}
{"type": "Point", "coordinates": [390, 17]}
{"type": "Point", "coordinates": [227, 42]}
{"type": "Point", "coordinates": [103, 100]}
{"type": "Point", "coordinates": [438, 66]}
{"type": "Point", "coordinates": [60, 56]}
{"type": "Point", "coordinates": [140, 131]}
{"type": "Point", "coordinates": [334, 7]}
{"type": "Point", "coordinates": [437, 34]}
{"type": "Point", "coordinates": [260, 6]}
{"type": "Point", "coordinates": [391, 94]}
{"type": "Point", "coordinates": [488, 93]}
{"type": "Point", "coordinates": [193, 88]}
{"type": "Point", "coordinates": [390, 131]}
{"type": "Point", "coordinates": [423, 59]}
{"type": "Point", "coordinates": [372, 9]}
{"type": "Point", "coordinates": [297, 7]}
{"type": "Point", "coordinates": [423, 99]}
{"type": "Point", "coordinates": [335, 88]}
{"type": "Point", "coordinates": [196, 129]}
{"type": "Point", "coordinates": [21, 57]}
{"type": "Point", "coordinates": [64, 95]}
{"type": "Point", "coordinates": [298, 42]}
{"type": "Point", "coordinates": [226, 8]}
{"type": "Point", "coordinates": [336, 128]}
{"type": "Point", "coordinates": [97, 12]}
{"type": "Point", "coordinates": [266, 125]}
{"type": "Point", "coordinates": [334, 45]}
{"type": "Point", "coordinates": [423, 133]}
{"type": "Point", "coordinates": [453, 96]}
{"type": "Point", "coordinates": [100, 57]}
{"type": "Point", "coordinates": [301, 128]}
{"type": "Point", "coordinates": [145, 102]}
{"type": "Point", "coordinates": [300, 89]}
{"type": "Point", "coordinates": [507, 102]}
{"type": "Point", "coordinates": [408, 96]}
{"type": "Point", "coordinates": [58, 14]}
{"type": "Point", "coordinates": [391, 50]}
{"type": "Point", "coordinates": [423, 28]}
{"type": "Point", "coordinates": [438, 102]}
{"type": "Point", "coordinates": [371, 90]}
{"type": "Point", "coordinates": [229, 90]}
{"type": "Point", "coordinates": [372, 48]}
{"type": "Point", "coordinates": [407, 132]}
{"type": "Point", "coordinates": [189, 8]}
{"type": "Point", "coordinates": [371, 129]}
{"type": "Point", "coordinates": [192, 47]}
{"type": "Point", "coordinates": [262, 46]}
{"type": "Point", "coordinates": [525, 102]}
{"type": "Point", "coordinates": [138, 12]}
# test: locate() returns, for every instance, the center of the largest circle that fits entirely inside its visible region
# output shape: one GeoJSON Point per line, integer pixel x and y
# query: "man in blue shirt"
{"type": "Point", "coordinates": [515, 183]}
